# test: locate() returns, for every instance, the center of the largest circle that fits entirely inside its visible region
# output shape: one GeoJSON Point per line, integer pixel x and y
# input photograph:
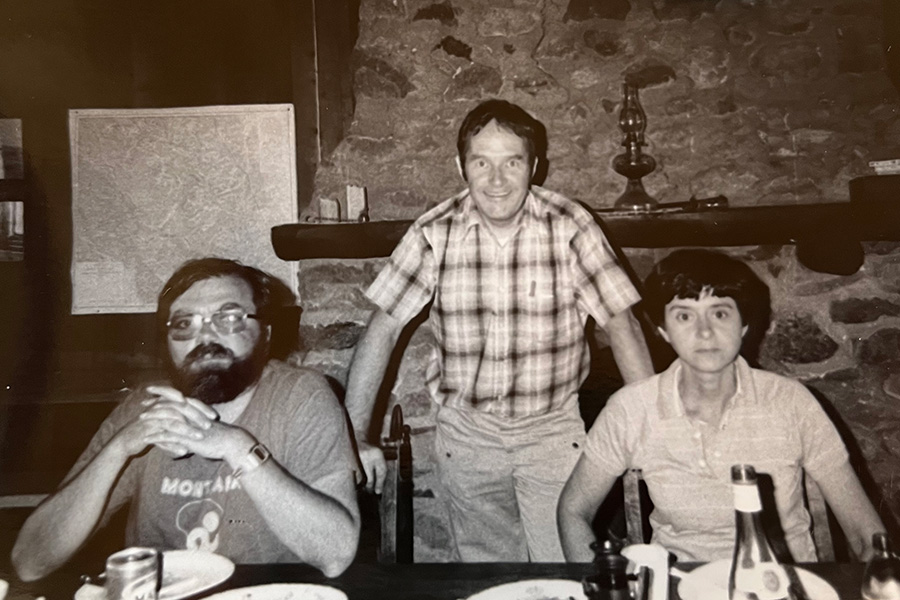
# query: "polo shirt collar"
{"type": "Point", "coordinates": [669, 399]}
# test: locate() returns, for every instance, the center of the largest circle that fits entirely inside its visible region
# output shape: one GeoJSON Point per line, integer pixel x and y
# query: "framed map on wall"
{"type": "Point", "coordinates": [12, 192]}
{"type": "Point", "coordinates": [152, 188]}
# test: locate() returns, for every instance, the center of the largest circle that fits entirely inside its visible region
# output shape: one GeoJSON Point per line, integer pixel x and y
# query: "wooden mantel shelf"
{"type": "Point", "coordinates": [873, 214]}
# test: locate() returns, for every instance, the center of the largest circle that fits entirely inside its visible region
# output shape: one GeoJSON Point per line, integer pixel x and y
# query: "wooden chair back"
{"type": "Point", "coordinates": [634, 510]}
{"type": "Point", "coordinates": [396, 505]}
{"type": "Point", "coordinates": [818, 512]}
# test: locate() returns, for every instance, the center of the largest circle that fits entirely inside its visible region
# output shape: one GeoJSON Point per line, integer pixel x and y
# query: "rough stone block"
{"type": "Point", "coordinates": [475, 82]}
{"type": "Point", "coordinates": [604, 43]}
{"type": "Point", "coordinates": [582, 10]}
{"type": "Point", "coordinates": [455, 47]}
{"type": "Point", "coordinates": [887, 272]}
{"type": "Point", "coordinates": [799, 339]}
{"type": "Point", "coordinates": [862, 310]}
{"type": "Point", "coordinates": [441, 11]}
{"type": "Point", "coordinates": [377, 148]}
{"type": "Point", "coordinates": [337, 336]}
{"type": "Point", "coordinates": [881, 348]}
{"type": "Point", "coordinates": [668, 10]}
{"type": "Point", "coordinates": [649, 73]}
{"type": "Point", "coordinates": [508, 22]}
{"type": "Point", "coordinates": [788, 61]}
{"type": "Point", "coordinates": [377, 78]}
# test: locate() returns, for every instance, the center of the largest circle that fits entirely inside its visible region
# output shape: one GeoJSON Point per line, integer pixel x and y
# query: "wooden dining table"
{"type": "Point", "coordinates": [429, 581]}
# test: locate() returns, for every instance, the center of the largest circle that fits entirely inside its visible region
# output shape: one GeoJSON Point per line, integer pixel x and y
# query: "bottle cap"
{"type": "Point", "coordinates": [746, 494]}
{"type": "Point", "coordinates": [743, 474]}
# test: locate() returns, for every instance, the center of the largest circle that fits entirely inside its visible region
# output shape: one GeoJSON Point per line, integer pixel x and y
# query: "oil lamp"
{"type": "Point", "coordinates": [633, 163]}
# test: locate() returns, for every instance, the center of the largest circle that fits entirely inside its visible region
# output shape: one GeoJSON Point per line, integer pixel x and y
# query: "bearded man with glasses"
{"type": "Point", "coordinates": [239, 455]}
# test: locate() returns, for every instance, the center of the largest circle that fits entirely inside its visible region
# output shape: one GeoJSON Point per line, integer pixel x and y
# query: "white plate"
{"type": "Point", "coordinates": [710, 582]}
{"type": "Point", "coordinates": [185, 573]}
{"type": "Point", "coordinates": [282, 591]}
{"type": "Point", "coordinates": [534, 589]}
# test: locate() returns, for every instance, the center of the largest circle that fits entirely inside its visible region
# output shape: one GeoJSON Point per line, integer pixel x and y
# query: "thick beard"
{"type": "Point", "coordinates": [216, 385]}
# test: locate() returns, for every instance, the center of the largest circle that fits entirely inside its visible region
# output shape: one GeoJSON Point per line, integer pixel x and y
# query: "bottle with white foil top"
{"type": "Point", "coordinates": [756, 573]}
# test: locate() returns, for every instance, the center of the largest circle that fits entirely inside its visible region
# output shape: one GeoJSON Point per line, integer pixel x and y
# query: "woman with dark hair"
{"type": "Point", "coordinates": [685, 427]}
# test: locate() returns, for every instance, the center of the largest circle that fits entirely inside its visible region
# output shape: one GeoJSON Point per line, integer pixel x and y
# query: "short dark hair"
{"type": "Point", "coordinates": [686, 273]}
{"type": "Point", "coordinates": [509, 116]}
{"type": "Point", "coordinates": [269, 292]}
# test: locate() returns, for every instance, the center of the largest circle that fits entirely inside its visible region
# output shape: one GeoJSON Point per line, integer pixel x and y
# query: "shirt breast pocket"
{"type": "Point", "coordinates": [539, 314]}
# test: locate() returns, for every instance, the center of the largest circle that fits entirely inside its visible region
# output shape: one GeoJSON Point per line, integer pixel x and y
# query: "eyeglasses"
{"type": "Point", "coordinates": [187, 326]}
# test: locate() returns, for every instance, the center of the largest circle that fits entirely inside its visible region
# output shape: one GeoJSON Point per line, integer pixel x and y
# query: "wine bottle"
{"type": "Point", "coordinates": [881, 577]}
{"type": "Point", "coordinates": [756, 573]}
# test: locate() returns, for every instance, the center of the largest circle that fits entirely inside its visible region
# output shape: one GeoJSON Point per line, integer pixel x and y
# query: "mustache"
{"type": "Point", "coordinates": [208, 350]}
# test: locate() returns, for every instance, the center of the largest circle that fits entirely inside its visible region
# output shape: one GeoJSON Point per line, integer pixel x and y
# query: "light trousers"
{"type": "Point", "coordinates": [502, 480]}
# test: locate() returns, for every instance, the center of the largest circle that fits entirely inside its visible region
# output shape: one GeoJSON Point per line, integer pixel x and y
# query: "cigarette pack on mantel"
{"type": "Point", "coordinates": [357, 204]}
{"type": "Point", "coordinates": [884, 164]}
{"type": "Point", "coordinates": [886, 167]}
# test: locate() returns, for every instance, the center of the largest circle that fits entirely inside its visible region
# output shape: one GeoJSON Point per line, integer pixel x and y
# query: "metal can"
{"type": "Point", "coordinates": [133, 574]}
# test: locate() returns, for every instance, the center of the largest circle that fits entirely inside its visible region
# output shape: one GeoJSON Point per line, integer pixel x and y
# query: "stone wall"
{"type": "Point", "coordinates": [763, 101]}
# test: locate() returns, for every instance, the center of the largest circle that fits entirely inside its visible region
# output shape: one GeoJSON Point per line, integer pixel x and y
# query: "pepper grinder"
{"type": "Point", "coordinates": [611, 580]}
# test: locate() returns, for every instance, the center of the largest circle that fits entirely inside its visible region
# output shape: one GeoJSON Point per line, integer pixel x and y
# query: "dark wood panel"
{"type": "Point", "coordinates": [12, 190]}
{"type": "Point", "coordinates": [64, 54]}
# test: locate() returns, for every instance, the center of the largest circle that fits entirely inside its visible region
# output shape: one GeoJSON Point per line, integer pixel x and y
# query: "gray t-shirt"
{"type": "Point", "coordinates": [196, 503]}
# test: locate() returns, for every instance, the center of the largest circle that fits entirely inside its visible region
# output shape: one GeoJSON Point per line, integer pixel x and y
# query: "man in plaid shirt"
{"type": "Point", "coordinates": [512, 272]}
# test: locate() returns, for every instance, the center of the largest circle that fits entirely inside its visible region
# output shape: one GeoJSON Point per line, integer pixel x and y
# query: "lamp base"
{"type": "Point", "coordinates": [635, 198]}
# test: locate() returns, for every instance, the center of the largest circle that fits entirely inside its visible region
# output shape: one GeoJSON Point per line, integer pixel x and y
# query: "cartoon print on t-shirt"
{"type": "Point", "coordinates": [200, 521]}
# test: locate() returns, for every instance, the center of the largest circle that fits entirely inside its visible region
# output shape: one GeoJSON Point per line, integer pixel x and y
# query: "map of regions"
{"type": "Point", "coordinates": [152, 188]}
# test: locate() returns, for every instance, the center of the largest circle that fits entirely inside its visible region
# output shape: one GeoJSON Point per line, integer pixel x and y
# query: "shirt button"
{"type": "Point", "coordinates": [717, 454]}
{"type": "Point", "coordinates": [697, 435]}
{"type": "Point", "coordinates": [702, 463]}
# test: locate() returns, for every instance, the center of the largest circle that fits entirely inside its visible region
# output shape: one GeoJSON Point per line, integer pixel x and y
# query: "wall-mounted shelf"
{"type": "Point", "coordinates": [872, 214]}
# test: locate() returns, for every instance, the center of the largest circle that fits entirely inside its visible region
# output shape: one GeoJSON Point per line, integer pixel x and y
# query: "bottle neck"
{"type": "Point", "coordinates": [881, 546]}
{"type": "Point", "coordinates": [748, 521]}
{"type": "Point", "coordinates": [751, 537]}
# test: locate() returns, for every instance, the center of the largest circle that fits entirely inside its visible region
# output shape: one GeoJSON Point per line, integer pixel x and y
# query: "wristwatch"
{"type": "Point", "coordinates": [253, 460]}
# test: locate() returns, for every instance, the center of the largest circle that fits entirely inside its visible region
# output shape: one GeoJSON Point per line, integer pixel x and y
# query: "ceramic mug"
{"type": "Point", "coordinates": [655, 558]}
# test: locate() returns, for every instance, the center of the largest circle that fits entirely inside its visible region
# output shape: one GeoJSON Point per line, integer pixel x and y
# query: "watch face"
{"type": "Point", "coordinates": [260, 452]}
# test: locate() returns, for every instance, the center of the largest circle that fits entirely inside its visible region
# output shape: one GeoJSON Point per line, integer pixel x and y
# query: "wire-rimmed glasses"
{"type": "Point", "coordinates": [227, 321]}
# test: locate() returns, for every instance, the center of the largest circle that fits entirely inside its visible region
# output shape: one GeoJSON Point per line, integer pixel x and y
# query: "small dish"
{"type": "Point", "coordinates": [282, 591]}
{"type": "Point", "coordinates": [710, 582]}
{"type": "Point", "coordinates": [534, 589]}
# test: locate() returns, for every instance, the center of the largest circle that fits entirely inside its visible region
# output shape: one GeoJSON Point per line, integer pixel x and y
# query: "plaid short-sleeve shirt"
{"type": "Point", "coordinates": [508, 319]}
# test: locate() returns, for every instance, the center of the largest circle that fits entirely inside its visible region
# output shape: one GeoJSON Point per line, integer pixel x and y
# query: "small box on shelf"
{"type": "Point", "coordinates": [886, 167]}
{"type": "Point", "coordinates": [329, 210]}
{"type": "Point", "coordinates": [357, 204]}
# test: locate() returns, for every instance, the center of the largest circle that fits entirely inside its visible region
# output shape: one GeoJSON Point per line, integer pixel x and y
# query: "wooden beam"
{"type": "Point", "coordinates": [876, 219]}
